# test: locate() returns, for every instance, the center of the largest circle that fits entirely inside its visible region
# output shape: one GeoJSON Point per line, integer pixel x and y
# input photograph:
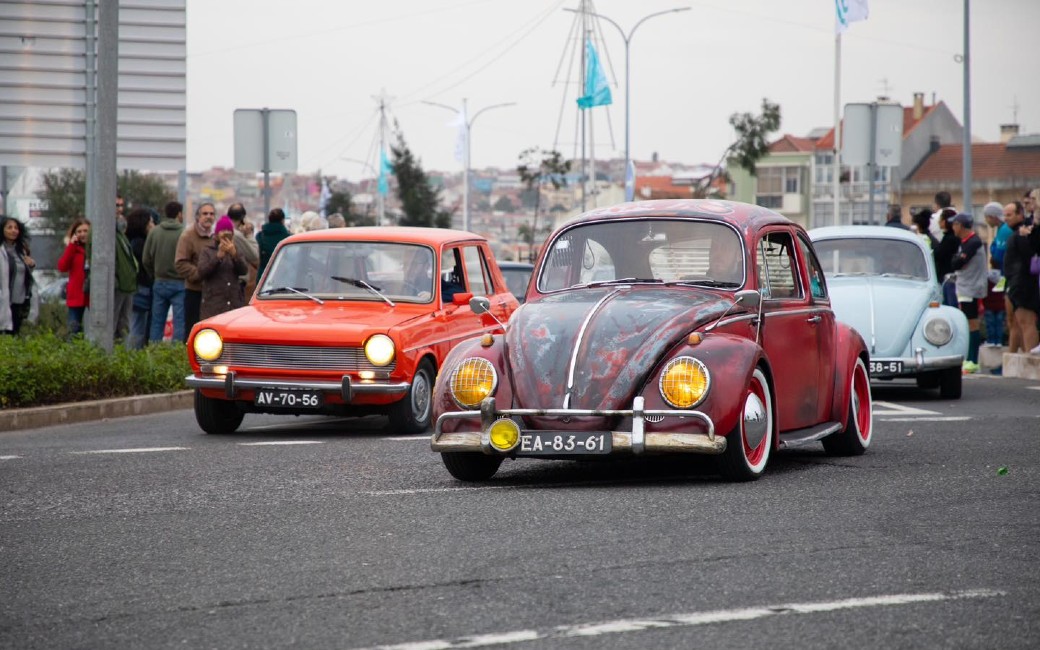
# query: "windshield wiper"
{"type": "Point", "coordinates": [302, 292]}
{"type": "Point", "coordinates": [603, 283]}
{"type": "Point", "coordinates": [364, 285]}
{"type": "Point", "coordinates": [706, 282]}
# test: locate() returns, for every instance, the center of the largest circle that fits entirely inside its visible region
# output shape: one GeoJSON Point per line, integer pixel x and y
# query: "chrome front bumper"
{"type": "Point", "coordinates": [636, 441]}
{"type": "Point", "coordinates": [919, 363]}
{"type": "Point", "coordinates": [345, 388]}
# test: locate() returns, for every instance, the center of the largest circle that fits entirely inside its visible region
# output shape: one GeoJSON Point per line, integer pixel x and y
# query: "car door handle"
{"type": "Point", "coordinates": [814, 319]}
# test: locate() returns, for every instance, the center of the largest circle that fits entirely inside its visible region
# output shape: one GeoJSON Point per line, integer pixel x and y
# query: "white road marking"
{"type": "Point", "coordinates": [686, 620]}
{"type": "Point", "coordinates": [426, 438]}
{"type": "Point", "coordinates": [281, 442]}
{"type": "Point", "coordinates": [9, 457]}
{"type": "Point", "coordinates": [1033, 387]}
{"type": "Point", "coordinates": [949, 418]}
{"type": "Point", "coordinates": [137, 450]}
{"type": "Point", "coordinates": [889, 408]}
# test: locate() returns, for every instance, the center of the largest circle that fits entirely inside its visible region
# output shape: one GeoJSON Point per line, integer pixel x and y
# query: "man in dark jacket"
{"type": "Point", "coordinates": [273, 232]}
{"type": "Point", "coordinates": [943, 253]}
{"type": "Point", "coordinates": [1021, 289]}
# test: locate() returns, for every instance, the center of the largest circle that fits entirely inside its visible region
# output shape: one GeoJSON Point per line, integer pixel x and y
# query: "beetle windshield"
{"type": "Point", "coordinates": [681, 251]}
{"type": "Point", "coordinates": [870, 256]}
{"type": "Point", "coordinates": [346, 270]}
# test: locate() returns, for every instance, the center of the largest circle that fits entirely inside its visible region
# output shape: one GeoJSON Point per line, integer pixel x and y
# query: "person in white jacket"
{"type": "Point", "coordinates": [6, 322]}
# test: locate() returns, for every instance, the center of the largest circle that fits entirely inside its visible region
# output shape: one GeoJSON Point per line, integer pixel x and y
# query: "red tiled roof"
{"type": "Point", "coordinates": [827, 142]}
{"type": "Point", "coordinates": [661, 187]}
{"type": "Point", "coordinates": [792, 143]}
{"type": "Point", "coordinates": [989, 161]}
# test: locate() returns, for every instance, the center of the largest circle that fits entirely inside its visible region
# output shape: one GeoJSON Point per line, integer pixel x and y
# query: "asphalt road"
{"type": "Point", "coordinates": [316, 533]}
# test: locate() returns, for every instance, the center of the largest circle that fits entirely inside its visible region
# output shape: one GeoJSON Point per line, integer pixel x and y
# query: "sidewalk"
{"type": "Point", "coordinates": [57, 414]}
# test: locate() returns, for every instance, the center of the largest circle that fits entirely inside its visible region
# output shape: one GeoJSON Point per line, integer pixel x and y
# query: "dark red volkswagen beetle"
{"type": "Point", "coordinates": [661, 327]}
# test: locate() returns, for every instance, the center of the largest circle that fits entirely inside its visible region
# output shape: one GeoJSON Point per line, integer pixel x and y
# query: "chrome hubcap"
{"type": "Point", "coordinates": [755, 423]}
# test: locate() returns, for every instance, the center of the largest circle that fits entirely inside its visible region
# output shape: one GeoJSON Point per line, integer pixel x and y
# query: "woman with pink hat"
{"type": "Point", "coordinates": [220, 266]}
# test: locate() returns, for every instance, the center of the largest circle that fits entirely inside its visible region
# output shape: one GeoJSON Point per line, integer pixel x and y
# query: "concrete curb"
{"type": "Point", "coordinates": [120, 407]}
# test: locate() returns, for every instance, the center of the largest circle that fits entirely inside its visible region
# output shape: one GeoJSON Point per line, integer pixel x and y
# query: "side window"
{"type": "Point", "coordinates": [817, 285]}
{"type": "Point", "coordinates": [476, 271]}
{"type": "Point", "coordinates": [453, 280]}
{"type": "Point", "coordinates": [777, 267]}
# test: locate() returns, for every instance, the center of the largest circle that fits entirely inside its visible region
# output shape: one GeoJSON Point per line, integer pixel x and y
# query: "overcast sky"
{"type": "Point", "coordinates": [690, 71]}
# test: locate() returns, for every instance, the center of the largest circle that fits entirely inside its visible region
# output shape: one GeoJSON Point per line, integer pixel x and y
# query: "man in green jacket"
{"type": "Point", "coordinates": [126, 274]}
{"type": "Point", "coordinates": [160, 250]}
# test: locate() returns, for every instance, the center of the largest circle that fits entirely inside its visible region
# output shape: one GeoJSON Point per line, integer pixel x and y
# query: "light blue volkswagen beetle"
{"type": "Point", "coordinates": [882, 282]}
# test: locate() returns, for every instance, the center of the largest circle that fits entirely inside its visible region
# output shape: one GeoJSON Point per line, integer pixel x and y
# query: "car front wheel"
{"type": "Point", "coordinates": [217, 415]}
{"type": "Point", "coordinates": [750, 443]}
{"type": "Point", "coordinates": [412, 413]}
{"type": "Point", "coordinates": [950, 384]}
{"type": "Point", "coordinates": [854, 439]}
{"type": "Point", "coordinates": [470, 466]}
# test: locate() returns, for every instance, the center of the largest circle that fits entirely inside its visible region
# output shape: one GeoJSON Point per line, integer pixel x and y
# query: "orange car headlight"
{"type": "Point", "coordinates": [473, 380]}
{"type": "Point", "coordinates": [684, 382]}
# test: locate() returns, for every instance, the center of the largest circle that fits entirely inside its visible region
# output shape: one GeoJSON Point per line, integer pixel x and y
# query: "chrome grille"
{"type": "Point", "coordinates": [295, 357]}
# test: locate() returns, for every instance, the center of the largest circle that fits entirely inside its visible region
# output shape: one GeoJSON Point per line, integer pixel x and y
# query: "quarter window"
{"type": "Point", "coordinates": [817, 284]}
{"type": "Point", "coordinates": [476, 271]}
{"type": "Point", "coordinates": [777, 268]}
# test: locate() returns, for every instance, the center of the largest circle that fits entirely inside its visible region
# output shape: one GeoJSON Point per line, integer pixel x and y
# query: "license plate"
{"type": "Point", "coordinates": [551, 443]}
{"type": "Point", "coordinates": [886, 367]}
{"type": "Point", "coordinates": [288, 399]}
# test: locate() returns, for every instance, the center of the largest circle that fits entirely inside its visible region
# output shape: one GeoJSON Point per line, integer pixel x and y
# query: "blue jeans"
{"type": "Point", "coordinates": [76, 319]}
{"type": "Point", "coordinates": [166, 294]}
{"type": "Point", "coordinates": [994, 321]}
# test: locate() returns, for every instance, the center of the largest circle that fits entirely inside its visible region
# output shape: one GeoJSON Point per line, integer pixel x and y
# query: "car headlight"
{"type": "Point", "coordinates": [379, 350]}
{"type": "Point", "coordinates": [684, 382]}
{"type": "Point", "coordinates": [208, 345]}
{"type": "Point", "coordinates": [938, 331]}
{"type": "Point", "coordinates": [504, 434]}
{"type": "Point", "coordinates": [473, 380]}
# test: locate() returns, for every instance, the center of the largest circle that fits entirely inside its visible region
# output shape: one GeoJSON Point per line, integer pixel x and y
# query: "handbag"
{"type": "Point", "coordinates": [86, 278]}
{"type": "Point", "coordinates": [1034, 265]}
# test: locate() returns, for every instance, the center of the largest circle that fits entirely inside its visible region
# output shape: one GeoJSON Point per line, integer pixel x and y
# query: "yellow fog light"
{"type": "Point", "coordinates": [504, 434]}
{"type": "Point", "coordinates": [379, 350]}
{"type": "Point", "coordinates": [208, 345]}
{"type": "Point", "coordinates": [473, 380]}
{"type": "Point", "coordinates": [684, 382]}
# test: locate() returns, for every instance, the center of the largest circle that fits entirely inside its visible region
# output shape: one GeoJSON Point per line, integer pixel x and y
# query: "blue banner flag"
{"type": "Point", "coordinates": [385, 169]}
{"type": "Point", "coordinates": [597, 92]}
{"type": "Point", "coordinates": [849, 11]}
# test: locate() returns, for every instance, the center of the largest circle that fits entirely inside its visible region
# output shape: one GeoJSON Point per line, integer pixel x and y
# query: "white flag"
{"type": "Point", "coordinates": [849, 11]}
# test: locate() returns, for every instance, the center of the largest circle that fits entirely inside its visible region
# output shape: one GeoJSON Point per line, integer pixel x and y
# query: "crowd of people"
{"type": "Point", "coordinates": [162, 267]}
{"type": "Point", "coordinates": [997, 288]}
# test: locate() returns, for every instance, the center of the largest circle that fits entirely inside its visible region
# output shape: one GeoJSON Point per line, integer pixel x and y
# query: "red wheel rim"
{"type": "Point", "coordinates": [861, 405]}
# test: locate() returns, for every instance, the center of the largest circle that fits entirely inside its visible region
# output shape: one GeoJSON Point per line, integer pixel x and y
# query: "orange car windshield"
{"type": "Point", "coordinates": [338, 270]}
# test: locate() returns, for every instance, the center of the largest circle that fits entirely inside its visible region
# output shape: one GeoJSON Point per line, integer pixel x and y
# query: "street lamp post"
{"type": "Point", "coordinates": [627, 38]}
{"type": "Point", "coordinates": [467, 124]}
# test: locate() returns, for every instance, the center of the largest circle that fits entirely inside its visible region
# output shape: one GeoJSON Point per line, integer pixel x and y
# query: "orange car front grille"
{"type": "Point", "coordinates": [295, 357]}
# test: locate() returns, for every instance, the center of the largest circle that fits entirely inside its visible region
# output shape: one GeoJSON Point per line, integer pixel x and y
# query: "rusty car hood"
{"type": "Point", "coordinates": [628, 331]}
{"type": "Point", "coordinates": [306, 323]}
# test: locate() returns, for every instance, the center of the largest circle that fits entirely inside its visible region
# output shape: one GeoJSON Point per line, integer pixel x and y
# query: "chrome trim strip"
{"type": "Point", "coordinates": [356, 387]}
{"type": "Point", "coordinates": [577, 343]}
{"type": "Point", "coordinates": [873, 319]}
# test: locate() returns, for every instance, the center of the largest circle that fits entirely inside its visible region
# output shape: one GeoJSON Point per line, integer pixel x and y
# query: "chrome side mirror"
{"type": "Point", "coordinates": [480, 304]}
{"type": "Point", "coordinates": [748, 297]}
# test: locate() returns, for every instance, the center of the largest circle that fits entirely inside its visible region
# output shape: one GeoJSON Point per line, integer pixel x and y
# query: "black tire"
{"type": "Point", "coordinates": [928, 380]}
{"type": "Point", "coordinates": [854, 439]}
{"type": "Point", "coordinates": [950, 383]}
{"type": "Point", "coordinates": [412, 413]}
{"type": "Point", "coordinates": [470, 466]}
{"type": "Point", "coordinates": [745, 458]}
{"type": "Point", "coordinates": [217, 415]}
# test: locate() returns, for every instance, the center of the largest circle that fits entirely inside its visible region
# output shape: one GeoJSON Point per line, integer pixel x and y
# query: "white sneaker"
{"type": "Point", "coordinates": [1035, 350]}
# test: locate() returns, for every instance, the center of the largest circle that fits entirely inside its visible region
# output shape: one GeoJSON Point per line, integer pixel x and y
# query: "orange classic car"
{"type": "Point", "coordinates": [347, 321]}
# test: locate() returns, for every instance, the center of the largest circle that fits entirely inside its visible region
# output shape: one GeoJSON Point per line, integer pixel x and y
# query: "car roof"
{"type": "Point", "coordinates": [744, 216]}
{"type": "Point", "coordinates": [862, 232]}
{"type": "Point", "coordinates": [403, 234]}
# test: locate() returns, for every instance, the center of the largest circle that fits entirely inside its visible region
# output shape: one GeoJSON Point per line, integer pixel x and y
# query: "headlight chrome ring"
{"type": "Point", "coordinates": [938, 331]}
{"type": "Point", "coordinates": [379, 350]}
{"type": "Point", "coordinates": [473, 380]}
{"type": "Point", "coordinates": [208, 345]}
{"type": "Point", "coordinates": [685, 382]}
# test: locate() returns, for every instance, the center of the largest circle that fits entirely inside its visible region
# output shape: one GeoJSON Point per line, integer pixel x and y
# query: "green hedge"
{"type": "Point", "coordinates": [41, 367]}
